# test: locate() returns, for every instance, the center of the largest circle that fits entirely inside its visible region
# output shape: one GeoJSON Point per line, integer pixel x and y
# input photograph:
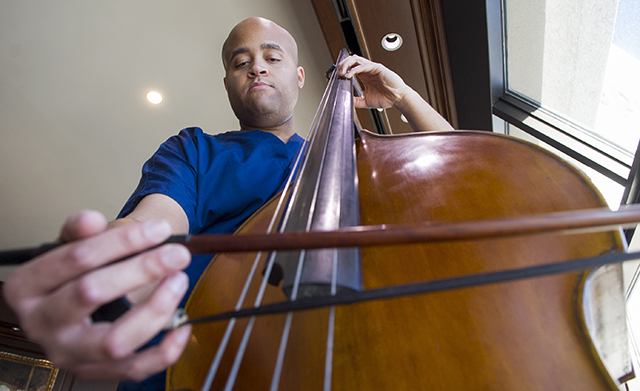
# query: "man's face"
{"type": "Point", "coordinates": [262, 75]}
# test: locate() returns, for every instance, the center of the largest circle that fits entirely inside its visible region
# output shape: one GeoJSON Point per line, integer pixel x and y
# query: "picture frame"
{"type": "Point", "coordinates": [21, 373]}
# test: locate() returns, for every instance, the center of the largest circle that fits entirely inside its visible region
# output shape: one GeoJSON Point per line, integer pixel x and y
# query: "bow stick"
{"type": "Point", "coordinates": [382, 235]}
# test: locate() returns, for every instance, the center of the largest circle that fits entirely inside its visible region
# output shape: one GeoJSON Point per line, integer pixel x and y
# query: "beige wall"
{"type": "Point", "coordinates": [76, 127]}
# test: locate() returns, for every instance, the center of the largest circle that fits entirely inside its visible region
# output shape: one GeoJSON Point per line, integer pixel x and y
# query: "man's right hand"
{"type": "Point", "coordinates": [55, 294]}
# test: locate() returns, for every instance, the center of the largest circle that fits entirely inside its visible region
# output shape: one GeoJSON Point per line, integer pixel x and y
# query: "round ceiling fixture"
{"type": "Point", "coordinates": [154, 97]}
{"type": "Point", "coordinates": [391, 42]}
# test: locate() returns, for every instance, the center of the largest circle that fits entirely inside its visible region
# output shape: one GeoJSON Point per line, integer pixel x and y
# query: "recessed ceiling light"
{"type": "Point", "coordinates": [391, 42]}
{"type": "Point", "coordinates": [154, 97]}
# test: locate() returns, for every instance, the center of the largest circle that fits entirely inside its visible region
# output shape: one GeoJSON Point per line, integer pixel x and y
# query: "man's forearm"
{"type": "Point", "coordinates": [420, 115]}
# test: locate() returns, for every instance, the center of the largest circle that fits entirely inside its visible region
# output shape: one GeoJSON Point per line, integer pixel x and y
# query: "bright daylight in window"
{"type": "Point", "coordinates": [580, 61]}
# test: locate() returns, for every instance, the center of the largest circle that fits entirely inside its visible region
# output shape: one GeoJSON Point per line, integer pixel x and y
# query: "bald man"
{"type": "Point", "coordinates": [194, 183]}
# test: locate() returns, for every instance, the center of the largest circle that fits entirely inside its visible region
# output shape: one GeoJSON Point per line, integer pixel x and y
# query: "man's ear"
{"type": "Point", "coordinates": [224, 80]}
{"type": "Point", "coordinates": [300, 77]}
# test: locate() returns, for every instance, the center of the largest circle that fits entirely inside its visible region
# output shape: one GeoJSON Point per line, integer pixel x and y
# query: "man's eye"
{"type": "Point", "coordinates": [273, 59]}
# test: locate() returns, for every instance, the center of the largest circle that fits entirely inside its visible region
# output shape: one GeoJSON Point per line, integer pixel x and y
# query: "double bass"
{"type": "Point", "coordinates": [528, 334]}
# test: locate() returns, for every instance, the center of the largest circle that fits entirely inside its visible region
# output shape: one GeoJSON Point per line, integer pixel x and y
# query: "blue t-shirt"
{"type": "Point", "coordinates": [219, 180]}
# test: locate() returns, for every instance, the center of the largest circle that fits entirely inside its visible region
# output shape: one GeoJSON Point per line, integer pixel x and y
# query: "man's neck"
{"type": "Point", "coordinates": [283, 131]}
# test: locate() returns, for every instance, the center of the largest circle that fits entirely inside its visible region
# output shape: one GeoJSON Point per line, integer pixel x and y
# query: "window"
{"type": "Point", "coordinates": [571, 80]}
{"type": "Point", "coordinates": [576, 60]}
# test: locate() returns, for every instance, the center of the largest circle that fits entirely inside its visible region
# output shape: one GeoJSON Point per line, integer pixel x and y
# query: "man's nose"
{"type": "Point", "coordinates": [258, 68]}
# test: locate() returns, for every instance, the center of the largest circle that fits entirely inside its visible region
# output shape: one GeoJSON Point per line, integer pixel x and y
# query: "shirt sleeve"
{"type": "Point", "coordinates": [171, 171]}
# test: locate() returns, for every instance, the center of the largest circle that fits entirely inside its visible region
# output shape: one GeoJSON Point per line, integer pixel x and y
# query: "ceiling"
{"type": "Point", "coordinates": [76, 127]}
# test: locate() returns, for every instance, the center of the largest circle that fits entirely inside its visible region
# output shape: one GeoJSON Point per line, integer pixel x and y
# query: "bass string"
{"type": "Point", "coordinates": [328, 366]}
{"type": "Point", "coordinates": [231, 379]}
{"type": "Point", "coordinates": [328, 369]}
{"type": "Point", "coordinates": [215, 364]}
{"type": "Point", "coordinates": [287, 327]}
{"type": "Point", "coordinates": [286, 330]}
{"type": "Point", "coordinates": [312, 139]}
{"type": "Point", "coordinates": [233, 375]}
{"type": "Point", "coordinates": [217, 359]}
{"type": "Point", "coordinates": [294, 294]}
{"type": "Point", "coordinates": [277, 372]}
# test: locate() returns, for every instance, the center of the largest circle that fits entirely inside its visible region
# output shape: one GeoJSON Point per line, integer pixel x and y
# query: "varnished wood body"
{"type": "Point", "coordinates": [526, 335]}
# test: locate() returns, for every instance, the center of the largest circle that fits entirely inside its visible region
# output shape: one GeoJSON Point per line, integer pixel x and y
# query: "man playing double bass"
{"type": "Point", "coordinates": [195, 183]}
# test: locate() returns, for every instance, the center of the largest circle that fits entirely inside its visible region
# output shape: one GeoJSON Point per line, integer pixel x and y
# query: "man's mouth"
{"type": "Point", "coordinates": [259, 85]}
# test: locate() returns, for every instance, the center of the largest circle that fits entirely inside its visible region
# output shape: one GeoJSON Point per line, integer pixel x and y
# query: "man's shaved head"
{"type": "Point", "coordinates": [261, 26]}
